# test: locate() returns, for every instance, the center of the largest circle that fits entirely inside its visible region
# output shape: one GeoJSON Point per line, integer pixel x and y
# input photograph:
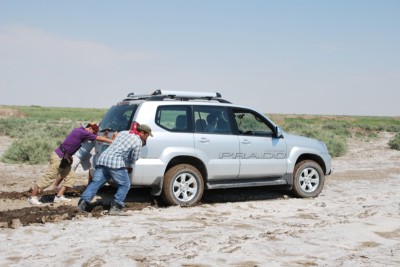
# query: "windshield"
{"type": "Point", "coordinates": [118, 118]}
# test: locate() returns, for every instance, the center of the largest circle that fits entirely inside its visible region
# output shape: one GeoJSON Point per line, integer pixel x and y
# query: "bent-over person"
{"type": "Point", "coordinates": [70, 145]}
{"type": "Point", "coordinates": [111, 166]}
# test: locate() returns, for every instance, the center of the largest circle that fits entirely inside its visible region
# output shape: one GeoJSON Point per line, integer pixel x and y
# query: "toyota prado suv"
{"type": "Point", "coordinates": [202, 141]}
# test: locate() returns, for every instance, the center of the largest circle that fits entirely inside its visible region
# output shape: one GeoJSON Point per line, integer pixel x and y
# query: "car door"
{"type": "Point", "coordinates": [215, 142]}
{"type": "Point", "coordinates": [262, 155]}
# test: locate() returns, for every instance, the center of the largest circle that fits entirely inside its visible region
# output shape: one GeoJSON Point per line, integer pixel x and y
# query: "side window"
{"type": "Point", "coordinates": [251, 123]}
{"type": "Point", "coordinates": [210, 119]}
{"type": "Point", "coordinates": [174, 118]}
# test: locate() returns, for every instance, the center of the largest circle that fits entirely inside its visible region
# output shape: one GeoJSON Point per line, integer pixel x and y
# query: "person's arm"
{"type": "Point", "coordinates": [103, 139]}
{"type": "Point", "coordinates": [135, 152]}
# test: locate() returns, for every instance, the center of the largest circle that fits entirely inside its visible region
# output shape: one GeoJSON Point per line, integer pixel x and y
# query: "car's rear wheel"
{"type": "Point", "coordinates": [308, 179]}
{"type": "Point", "coordinates": [183, 185]}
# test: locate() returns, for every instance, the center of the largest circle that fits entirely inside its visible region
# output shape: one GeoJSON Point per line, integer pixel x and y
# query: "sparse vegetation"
{"type": "Point", "coordinates": [38, 130]}
{"type": "Point", "coordinates": [333, 137]}
{"type": "Point", "coordinates": [29, 150]}
{"type": "Point", "coordinates": [335, 130]}
{"type": "Point", "coordinates": [394, 143]}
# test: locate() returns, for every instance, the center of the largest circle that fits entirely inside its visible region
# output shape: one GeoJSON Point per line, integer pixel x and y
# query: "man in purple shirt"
{"type": "Point", "coordinates": [71, 144]}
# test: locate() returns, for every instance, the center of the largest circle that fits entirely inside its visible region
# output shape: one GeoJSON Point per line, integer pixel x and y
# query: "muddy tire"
{"type": "Point", "coordinates": [183, 185]}
{"type": "Point", "coordinates": [308, 179]}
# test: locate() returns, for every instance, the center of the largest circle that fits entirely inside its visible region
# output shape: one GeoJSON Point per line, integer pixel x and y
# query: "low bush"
{"type": "Point", "coordinates": [394, 143]}
{"type": "Point", "coordinates": [45, 114]}
{"type": "Point", "coordinates": [41, 130]}
{"type": "Point", "coordinates": [29, 150]}
{"type": "Point", "coordinates": [336, 146]}
{"type": "Point", "coordinates": [389, 124]}
{"type": "Point", "coordinates": [295, 126]}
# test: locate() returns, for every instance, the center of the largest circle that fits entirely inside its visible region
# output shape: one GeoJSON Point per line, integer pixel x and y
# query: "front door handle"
{"type": "Point", "coordinates": [204, 140]}
{"type": "Point", "coordinates": [245, 142]}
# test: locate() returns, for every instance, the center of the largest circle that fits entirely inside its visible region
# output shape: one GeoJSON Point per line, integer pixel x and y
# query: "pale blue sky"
{"type": "Point", "coordinates": [303, 57]}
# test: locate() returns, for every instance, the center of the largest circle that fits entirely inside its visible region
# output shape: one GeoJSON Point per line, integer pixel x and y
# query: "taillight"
{"type": "Point", "coordinates": [133, 129]}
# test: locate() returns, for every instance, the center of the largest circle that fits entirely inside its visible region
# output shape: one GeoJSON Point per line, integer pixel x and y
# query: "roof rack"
{"type": "Point", "coordinates": [176, 95]}
{"type": "Point", "coordinates": [186, 94]}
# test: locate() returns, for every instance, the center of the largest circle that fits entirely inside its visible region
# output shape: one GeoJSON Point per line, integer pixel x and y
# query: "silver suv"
{"type": "Point", "coordinates": [202, 141]}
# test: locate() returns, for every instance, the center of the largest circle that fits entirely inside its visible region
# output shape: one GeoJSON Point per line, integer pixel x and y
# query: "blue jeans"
{"type": "Point", "coordinates": [103, 174]}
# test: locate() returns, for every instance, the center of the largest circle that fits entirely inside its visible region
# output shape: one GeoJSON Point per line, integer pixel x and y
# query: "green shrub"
{"type": "Point", "coordinates": [336, 146]}
{"type": "Point", "coordinates": [34, 141]}
{"type": "Point", "coordinates": [41, 130]}
{"type": "Point", "coordinates": [394, 143]}
{"type": "Point", "coordinates": [389, 124]}
{"type": "Point", "coordinates": [295, 126]}
{"type": "Point", "coordinates": [339, 128]}
{"type": "Point", "coordinates": [29, 150]}
{"type": "Point", "coordinates": [45, 114]}
{"type": "Point", "coordinates": [310, 133]}
{"type": "Point", "coordinates": [14, 127]}
{"type": "Point", "coordinates": [335, 143]}
{"type": "Point", "coordinates": [372, 135]}
{"type": "Point", "coordinates": [359, 135]}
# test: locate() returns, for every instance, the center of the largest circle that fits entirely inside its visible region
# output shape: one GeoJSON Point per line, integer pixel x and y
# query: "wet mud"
{"type": "Point", "coordinates": [137, 199]}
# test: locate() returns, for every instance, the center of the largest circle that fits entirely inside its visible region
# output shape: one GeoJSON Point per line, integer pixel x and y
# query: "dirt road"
{"type": "Point", "coordinates": [354, 222]}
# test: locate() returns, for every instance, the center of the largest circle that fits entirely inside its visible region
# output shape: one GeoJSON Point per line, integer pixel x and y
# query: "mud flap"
{"type": "Point", "coordinates": [156, 186]}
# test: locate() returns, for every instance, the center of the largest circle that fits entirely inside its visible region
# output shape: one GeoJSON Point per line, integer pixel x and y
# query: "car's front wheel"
{"type": "Point", "coordinates": [183, 185]}
{"type": "Point", "coordinates": [308, 179]}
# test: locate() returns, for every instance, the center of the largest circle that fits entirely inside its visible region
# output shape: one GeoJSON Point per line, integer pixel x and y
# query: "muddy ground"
{"type": "Point", "coordinates": [17, 179]}
{"type": "Point", "coordinates": [355, 221]}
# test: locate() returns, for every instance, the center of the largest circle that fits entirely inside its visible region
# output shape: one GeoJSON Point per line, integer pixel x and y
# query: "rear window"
{"type": "Point", "coordinates": [118, 118]}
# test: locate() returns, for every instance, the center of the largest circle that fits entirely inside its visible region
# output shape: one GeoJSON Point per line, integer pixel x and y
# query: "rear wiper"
{"type": "Point", "coordinates": [106, 130]}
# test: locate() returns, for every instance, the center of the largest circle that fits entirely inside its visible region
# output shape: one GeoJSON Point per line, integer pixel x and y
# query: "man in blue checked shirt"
{"type": "Point", "coordinates": [125, 149]}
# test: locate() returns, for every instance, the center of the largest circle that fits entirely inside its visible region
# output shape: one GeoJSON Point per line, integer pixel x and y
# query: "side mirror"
{"type": "Point", "coordinates": [278, 132]}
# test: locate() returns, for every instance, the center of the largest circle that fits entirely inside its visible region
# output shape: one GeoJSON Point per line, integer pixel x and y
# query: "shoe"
{"type": "Point", "coordinates": [58, 199]}
{"type": "Point", "coordinates": [116, 210]}
{"type": "Point", "coordinates": [82, 205]}
{"type": "Point", "coordinates": [34, 201]}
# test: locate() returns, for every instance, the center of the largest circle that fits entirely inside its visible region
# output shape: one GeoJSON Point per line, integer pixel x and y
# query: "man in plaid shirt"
{"type": "Point", "coordinates": [122, 152]}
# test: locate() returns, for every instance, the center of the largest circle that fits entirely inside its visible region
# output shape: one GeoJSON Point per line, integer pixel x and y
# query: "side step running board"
{"type": "Point", "coordinates": [220, 184]}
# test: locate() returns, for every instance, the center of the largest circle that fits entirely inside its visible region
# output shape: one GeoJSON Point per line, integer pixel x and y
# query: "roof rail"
{"type": "Point", "coordinates": [186, 94]}
{"type": "Point", "coordinates": [133, 95]}
{"type": "Point", "coordinates": [176, 95]}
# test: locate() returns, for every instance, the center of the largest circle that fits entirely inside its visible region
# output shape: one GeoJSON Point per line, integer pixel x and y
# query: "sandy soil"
{"type": "Point", "coordinates": [354, 222]}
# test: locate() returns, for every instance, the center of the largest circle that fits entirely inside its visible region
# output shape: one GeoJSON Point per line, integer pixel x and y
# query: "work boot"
{"type": "Point", "coordinates": [82, 205]}
{"type": "Point", "coordinates": [116, 210]}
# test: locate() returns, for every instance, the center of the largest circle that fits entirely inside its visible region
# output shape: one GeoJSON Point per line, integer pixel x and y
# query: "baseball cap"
{"type": "Point", "coordinates": [145, 128]}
